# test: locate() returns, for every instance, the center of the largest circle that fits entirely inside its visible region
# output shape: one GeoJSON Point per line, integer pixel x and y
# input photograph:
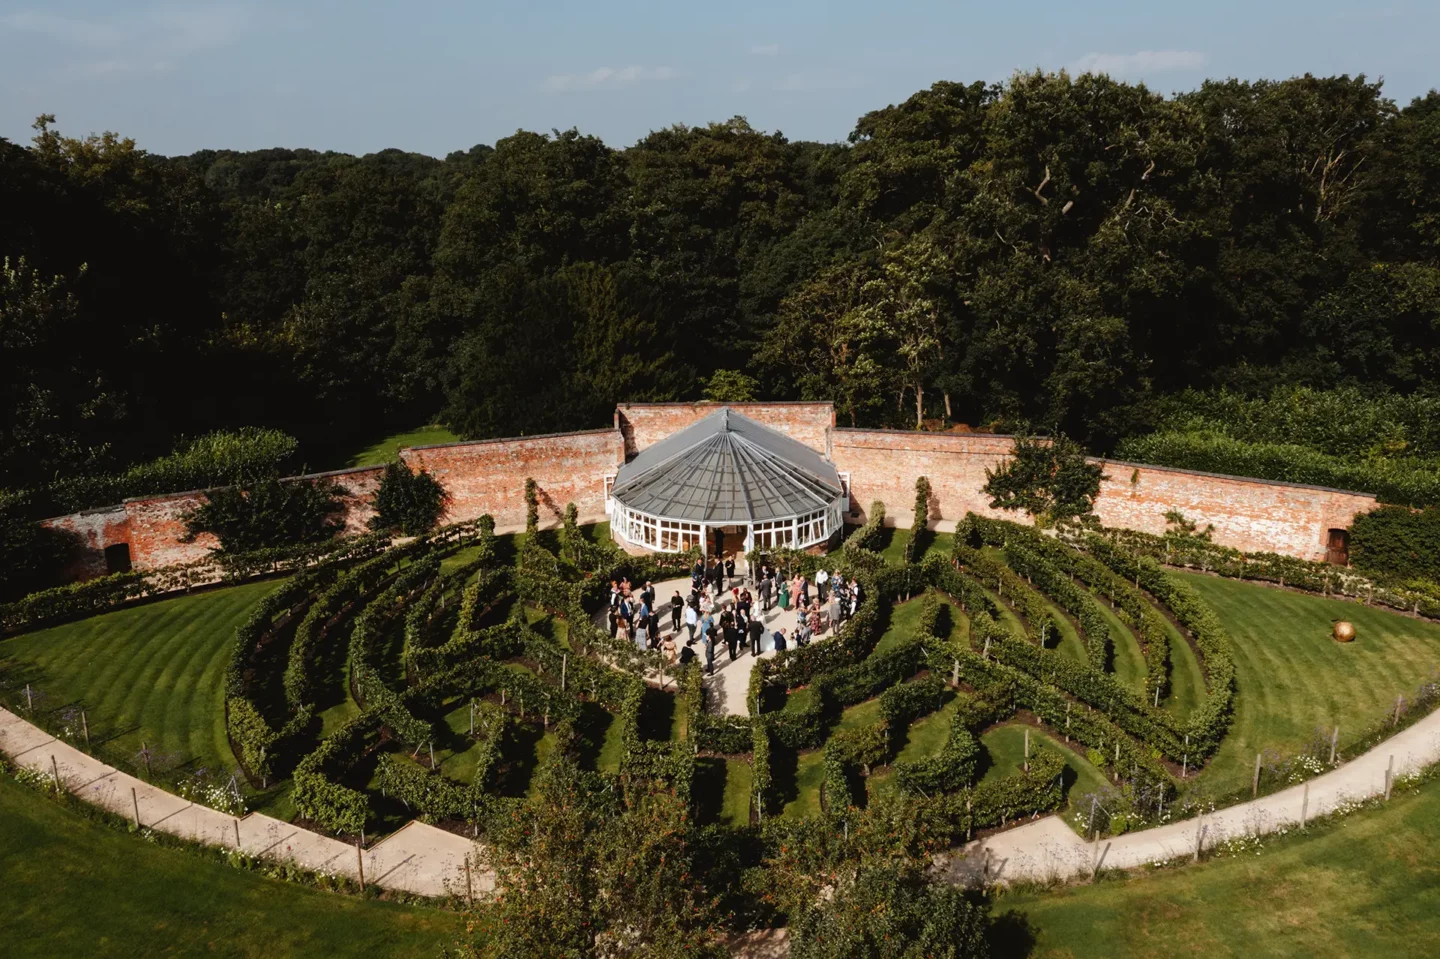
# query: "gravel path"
{"type": "Point", "coordinates": [1048, 849]}
{"type": "Point", "coordinates": [416, 858]}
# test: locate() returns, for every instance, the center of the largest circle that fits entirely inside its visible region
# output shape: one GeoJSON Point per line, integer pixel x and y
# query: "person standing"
{"type": "Point", "coordinates": [834, 611]}
{"type": "Point", "coordinates": [642, 630]}
{"type": "Point", "coordinates": [697, 574]}
{"type": "Point", "coordinates": [692, 619]}
{"type": "Point", "coordinates": [757, 632]}
{"type": "Point", "coordinates": [784, 594]}
{"type": "Point", "coordinates": [677, 609]}
{"type": "Point", "coordinates": [778, 639]}
{"type": "Point", "coordinates": [707, 627]}
{"type": "Point", "coordinates": [822, 581]}
{"type": "Point", "coordinates": [727, 632]}
{"type": "Point", "coordinates": [763, 589]}
{"type": "Point", "coordinates": [709, 654]}
{"type": "Point", "coordinates": [729, 570]}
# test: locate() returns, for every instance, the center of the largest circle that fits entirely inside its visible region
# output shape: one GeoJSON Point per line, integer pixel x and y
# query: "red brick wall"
{"type": "Point", "coordinates": [488, 476]}
{"type": "Point", "coordinates": [95, 529]}
{"type": "Point", "coordinates": [1249, 514]}
{"type": "Point", "coordinates": [644, 423]}
{"type": "Point", "coordinates": [360, 485]}
{"type": "Point", "coordinates": [157, 528]}
{"type": "Point", "coordinates": [884, 464]}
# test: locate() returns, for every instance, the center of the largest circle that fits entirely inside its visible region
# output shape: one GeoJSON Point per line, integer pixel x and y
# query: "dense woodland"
{"type": "Point", "coordinates": [1066, 254]}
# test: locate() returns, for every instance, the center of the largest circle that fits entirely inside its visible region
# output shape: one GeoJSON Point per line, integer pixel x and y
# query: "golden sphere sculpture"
{"type": "Point", "coordinates": [1344, 632]}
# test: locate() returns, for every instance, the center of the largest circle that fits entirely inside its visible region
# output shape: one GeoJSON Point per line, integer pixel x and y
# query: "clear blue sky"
{"type": "Point", "coordinates": [435, 76]}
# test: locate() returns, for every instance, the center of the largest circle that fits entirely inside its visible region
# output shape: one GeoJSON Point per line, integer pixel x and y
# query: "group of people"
{"type": "Point", "coordinates": [720, 612]}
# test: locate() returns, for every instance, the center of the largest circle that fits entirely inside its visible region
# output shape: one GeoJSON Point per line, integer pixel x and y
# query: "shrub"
{"type": "Point", "coordinates": [243, 457]}
{"type": "Point", "coordinates": [411, 502]}
{"type": "Point", "coordinates": [532, 505]}
{"type": "Point", "coordinates": [32, 557]}
{"type": "Point", "coordinates": [1052, 480]}
{"type": "Point", "coordinates": [1396, 541]}
{"type": "Point", "coordinates": [269, 514]}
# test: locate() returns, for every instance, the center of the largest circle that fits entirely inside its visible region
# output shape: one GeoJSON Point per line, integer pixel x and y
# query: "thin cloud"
{"type": "Point", "coordinates": [607, 78]}
{"type": "Point", "coordinates": [143, 42]}
{"type": "Point", "coordinates": [766, 50]}
{"type": "Point", "coordinates": [1142, 62]}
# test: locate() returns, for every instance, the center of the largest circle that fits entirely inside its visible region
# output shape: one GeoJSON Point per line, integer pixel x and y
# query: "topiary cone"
{"type": "Point", "coordinates": [1344, 631]}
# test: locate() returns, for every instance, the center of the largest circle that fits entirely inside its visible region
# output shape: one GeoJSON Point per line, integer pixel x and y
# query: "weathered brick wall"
{"type": "Point", "coordinates": [1248, 514]}
{"type": "Point", "coordinates": [94, 530]}
{"type": "Point", "coordinates": [884, 464]}
{"type": "Point", "coordinates": [360, 485]}
{"type": "Point", "coordinates": [157, 528]}
{"type": "Point", "coordinates": [642, 424]}
{"type": "Point", "coordinates": [488, 476]}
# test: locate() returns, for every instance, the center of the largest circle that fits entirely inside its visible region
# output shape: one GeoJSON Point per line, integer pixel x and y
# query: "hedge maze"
{"type": "Point", "coordinates": [445, 677]}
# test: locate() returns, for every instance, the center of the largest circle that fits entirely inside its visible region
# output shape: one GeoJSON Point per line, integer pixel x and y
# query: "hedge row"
{"type": "Point", "coordinates": [1079, 680]}
{"type": "Point", "coordinates": [251, 733]}
{"type": "Point", "coordinates": [319, 796]}
{"type": "Point", "coordinates": [1130, 605]}
{"type": "Point", "coordinates": [436, 796]}
{"type": "Point", "coordinates": [350, 587]}
{"type": "Point", "coordinates": [1099, 643]}
{"type": "Point", "coordinates": [1194, 552]}
{"type": "Point", "coordinates": [1132, 764]}
{"type": "Point", "coordinates": [955, 765]}
{"type": "Point", "coordinates": [1038, 621]}
{"type": "Point", "coordinates": [372, 625]}
{"type": "Point", "coordinates": [1209, 723]}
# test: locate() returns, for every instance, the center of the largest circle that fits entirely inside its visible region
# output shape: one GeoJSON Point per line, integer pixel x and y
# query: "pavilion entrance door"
{"type": "Point", "coordinates": [729, 541]}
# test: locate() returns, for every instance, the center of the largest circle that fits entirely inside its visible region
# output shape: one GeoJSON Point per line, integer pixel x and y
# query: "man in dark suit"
{"type": "Point", "coordinates": [757, 631]}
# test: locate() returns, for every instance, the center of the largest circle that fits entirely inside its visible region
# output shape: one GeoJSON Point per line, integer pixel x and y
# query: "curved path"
{"type": "Point", "coordinates": [1048, 849]}
{"type": "Point", "coordinates": [416, 858]}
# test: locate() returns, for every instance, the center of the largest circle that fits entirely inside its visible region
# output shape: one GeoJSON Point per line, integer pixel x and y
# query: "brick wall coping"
{"type": "Point", "coordinates": [1228, 476]}
{"type": "Point", "coordinates": [1104, 460]}
{"type": "Point", "coordinates": [863, 429]}
{"type": "Point", "coordinates": [719, 403]}
{"type": "Point", "coordinates": [329, 473]}
{"type": "Point", "coordinates": [512, 439]}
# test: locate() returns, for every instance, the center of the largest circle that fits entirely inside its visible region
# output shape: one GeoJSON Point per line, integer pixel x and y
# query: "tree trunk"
{"type": "Point", "coordinates": [919, 406]}
{"type": "Point", "coordinates": [948, 415]}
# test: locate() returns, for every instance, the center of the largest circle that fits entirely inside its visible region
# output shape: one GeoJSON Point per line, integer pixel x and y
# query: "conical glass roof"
{"type": "Point", "coordinates": [727, 468]}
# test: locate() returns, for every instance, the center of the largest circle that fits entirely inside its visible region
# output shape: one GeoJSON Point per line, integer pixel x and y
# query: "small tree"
{"type": "Point", "coordinates": [408, 501]}
{"type": "Point", "coordinates": [919, 524]}
{"type": "Point", "coordinates": [1049, 479]}
{"type": "Point", "coordinates": [581, 873]}
{"type": "Point", "coordinates": [891, 911]}
{"type": "Point", "coordinates": [731, 386]}
{"type": "Point", "coordinates": [532, 505]}
{"type": "Point", "coordinates": [268, 514]}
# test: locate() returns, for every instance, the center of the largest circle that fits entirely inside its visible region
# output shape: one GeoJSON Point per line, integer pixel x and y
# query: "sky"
{"type": "Point", "coordinates": [432, 77]}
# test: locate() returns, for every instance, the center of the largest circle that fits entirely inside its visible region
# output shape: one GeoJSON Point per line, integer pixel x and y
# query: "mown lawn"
{"type": "Point", "coordinates": [893, 545]}
{"type": "Point", "coordinates": [1363, 886]}
{"type": "Point", "coordinates": [905, 623]}
{"type": "Point", "coordinates": [150, 674]}
{"type": "Point", "coordinates": [387, 448]}
{"type": "Point", "coordinates": [74, 887]}
{"type": "Point", "coordinates": [1294, 680]}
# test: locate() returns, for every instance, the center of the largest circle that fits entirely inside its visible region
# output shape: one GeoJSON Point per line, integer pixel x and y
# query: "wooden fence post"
{"type": "Point", "coordinates": [1389, 777]}
{"type": "Point", "coordinates": [1334, 743]}
{"type": "Point", "coordinates": [1304, 805]}
{"type": "Point", "coordinates": [134, 801]}
{"type": "Point", "coordinates": [85, 726]}
{"type": "Point", "coordinates": [1255, 784]}
{"type": "Point", "coordinates": [55, 771]}
{"type": "Point", "coordinates": [360, 861]}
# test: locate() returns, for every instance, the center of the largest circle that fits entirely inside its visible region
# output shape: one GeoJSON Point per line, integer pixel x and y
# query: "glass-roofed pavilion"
{"type": "Point", "coordinates": [724, 479]}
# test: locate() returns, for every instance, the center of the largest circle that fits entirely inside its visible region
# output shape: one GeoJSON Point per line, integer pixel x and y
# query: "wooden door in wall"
{"type": "Point", "coordinates": [1337, 547]}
